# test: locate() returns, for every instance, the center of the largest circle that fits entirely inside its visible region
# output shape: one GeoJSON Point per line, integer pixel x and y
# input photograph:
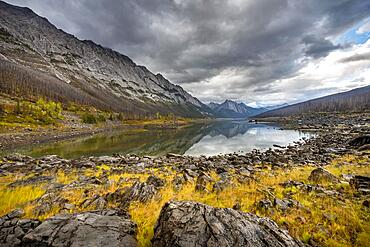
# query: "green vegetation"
{"type": "Point", "coordinates": [41, 112]}
{"type": "Point", "coordinates": [89, 118]}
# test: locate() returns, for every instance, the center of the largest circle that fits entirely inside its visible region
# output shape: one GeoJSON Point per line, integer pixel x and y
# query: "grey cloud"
{"type": "Point", "coordinates": [356, 57]}
{"type": "Point", "coordinates": [192, 42]}
{"type": "Point", "coordinates": [316, 47]}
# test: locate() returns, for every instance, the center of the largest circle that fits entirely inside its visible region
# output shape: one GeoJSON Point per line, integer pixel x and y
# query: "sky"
{"type": "Point", "coordinates": [263, 52]}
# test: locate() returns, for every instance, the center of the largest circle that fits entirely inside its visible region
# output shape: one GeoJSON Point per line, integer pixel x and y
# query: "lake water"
{"type": "Point", "coordinates": [218, 137]}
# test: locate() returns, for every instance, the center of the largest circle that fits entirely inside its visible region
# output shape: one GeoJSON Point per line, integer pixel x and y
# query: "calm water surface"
{"type": "Point", "coordinates": [197, 139]}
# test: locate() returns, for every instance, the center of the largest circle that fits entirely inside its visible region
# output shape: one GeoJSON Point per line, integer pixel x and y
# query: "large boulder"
{"type": "Point", "coordinates": [95, 228]}
{"type": "Point", "coordinates": [185, 223]}
{"type": "Point", "coordinates": [13, 228]}
{"type": "Point", "coordinates": [319, 175]}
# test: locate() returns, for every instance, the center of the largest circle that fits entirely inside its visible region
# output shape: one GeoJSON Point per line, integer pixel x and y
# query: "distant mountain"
{"type": "Point", "coordinates": [37, 59]}
{"type": "Point", "coordinates": [232, 109]}
{"type": "Point", "coordinates": [356, 100]}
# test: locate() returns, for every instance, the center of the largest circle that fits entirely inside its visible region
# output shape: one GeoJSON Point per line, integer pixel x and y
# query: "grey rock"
{"type": "Point", "coordinates": [361, 183]}
{"type": "Point", "coordinates": [178, 182]}
{"type": "Point", "coordinates": [96, 228]}
{"type": "Point", "coordinates": [156, 181]}
{"type": "Point", "coordinates": [319, 175]}
{"type": "Point", "coordinates": [360, 141]}
{"type": "Point", "coordinates": [13, 229]}
{"type": "Point", "coordinates": [194, 224]}
{"type": "Point", "coordinates": [32, 180]}
{"type": "Point", "coordinates": [221, 185]}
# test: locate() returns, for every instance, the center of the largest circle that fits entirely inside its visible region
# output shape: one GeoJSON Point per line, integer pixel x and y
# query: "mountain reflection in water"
{"type": "Point", "coordinates": [196, 139]}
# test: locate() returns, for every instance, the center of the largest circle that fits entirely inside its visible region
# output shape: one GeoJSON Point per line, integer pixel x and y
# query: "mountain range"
{"type": "Point", "coordinates": [37, 59]}
{"type": "Point", "coordinates": [232, 109]}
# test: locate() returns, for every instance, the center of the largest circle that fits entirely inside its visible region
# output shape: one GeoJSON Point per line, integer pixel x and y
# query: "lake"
{"type": "Point", "coordinates": [218, 137]}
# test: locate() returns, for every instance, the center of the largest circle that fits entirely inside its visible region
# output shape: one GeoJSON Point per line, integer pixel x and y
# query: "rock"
{"type": "Point", "coordinates": [237, 206]}
{"type": "Point", "coordinates": [364, 147]}
{"type": "Point", "coordinates": [142, 192]}
{"type": "Point", "coordinates": [47, 202]}
{"type": "Point", "coordinates": [17, 213]}
{"type": "Point", "coordinates": [178, 182]}
{"type": "Point", "coordinates": [221, 185]}
{"type": "Point", "coordinates": [361, 183]}
{"type": "Point", "coordinates": [18, 157]}
{"type": "Point", "coordinates": [156, 181]}
{"type": "Point", "coordinates": [96, 202]}
{"type": "Point", "coordinates": [285, 204]}
{"type": "Point", "coordinates": [32, 180]}
{"type": "Point", "coordinates": [107, 159]}
{"type": "Point", "coordinates": [264, 204]}
{"type": "Point", "coordinates": [172, 155]}
{"type": "Point", "coordinates": [189, 174]}
{"type": "Point", "coordinates": [184, 223]}
{"type": "Point", "coordinates": [319, 175]}
{"type": "Point", "coordinates": [13, 229]}
{"type": "Point", "coordinates": [359, 141]}
{"type": "Point", "coordinates": [95, 228]}
{"type": "Point", "coordinates": [202, 180]}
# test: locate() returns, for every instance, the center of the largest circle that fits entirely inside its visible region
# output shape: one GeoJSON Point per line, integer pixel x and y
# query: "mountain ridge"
{"type": "Point", "coordinates": [108, 76]}
{"type": "Point", "coordinates": [232, 109]}
{"type": "Point", "coordinates": [357, 99]}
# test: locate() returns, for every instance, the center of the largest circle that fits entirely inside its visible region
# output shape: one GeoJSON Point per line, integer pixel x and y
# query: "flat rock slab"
{"type": "Point", "coordinates": [187, 224]}
{"type": "Point", "coordinates": [99, 228]}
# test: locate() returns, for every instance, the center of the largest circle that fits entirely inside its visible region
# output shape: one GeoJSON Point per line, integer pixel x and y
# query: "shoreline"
{"type": "Point", "coordinates": [29, 137]}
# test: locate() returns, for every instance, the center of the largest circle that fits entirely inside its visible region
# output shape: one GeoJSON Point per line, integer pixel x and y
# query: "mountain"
{"type": "Point", "coordinates": [37, 59]}
{"type": "Point", "coordinates": [356, 100]}
{"type": "Point", "coordinates": [273, 107]}
{"type": "Point", "coordinates": [232, 109]}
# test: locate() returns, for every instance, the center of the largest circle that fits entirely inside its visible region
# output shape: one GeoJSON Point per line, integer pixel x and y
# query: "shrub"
{"type": "Point", "coordinates": [2, 110]}
{"type": "Point", "coordinates": [101, 118]}
{"type": "Point", "coordinates": [89, 118]}
{"type": "Point", "coordinates": [41, 112]}
{"type": "Point", "coordinates": [121, 117]}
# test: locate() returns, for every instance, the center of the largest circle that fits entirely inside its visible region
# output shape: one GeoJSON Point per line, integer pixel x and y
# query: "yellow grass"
{"type": "Point", "coordinates": [12, 198]}
{"type": "Point", "coordinates": [327, 220]}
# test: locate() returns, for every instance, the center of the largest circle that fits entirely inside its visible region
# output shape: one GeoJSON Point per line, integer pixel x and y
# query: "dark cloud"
{"type": "Point", "coordinates": [316, 47]}
{"type": "Point", "coordinates": [194, 42]}
{"type": "Point", "coordinates": [356, 57]}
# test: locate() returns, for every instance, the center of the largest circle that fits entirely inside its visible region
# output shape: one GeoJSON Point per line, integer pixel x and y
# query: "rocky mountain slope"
{"type": "Point", "coordinates": [232, 109]}
{"type": "Point", "coordinates": [355, 100]}
{"type": "Point", "coordinates": [57, 65]}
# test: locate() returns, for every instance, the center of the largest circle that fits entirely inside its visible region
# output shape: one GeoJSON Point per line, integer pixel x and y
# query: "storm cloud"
{"type": "Point", "coordinates": [217, 49]}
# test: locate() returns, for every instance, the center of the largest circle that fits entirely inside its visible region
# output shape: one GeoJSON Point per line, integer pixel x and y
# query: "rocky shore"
{"type": "Point", "coordinates": [88, 201]}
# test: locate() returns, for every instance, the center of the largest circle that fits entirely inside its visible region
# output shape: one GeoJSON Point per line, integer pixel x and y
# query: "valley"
{"type": "Point", "coordinates": [97, 150]}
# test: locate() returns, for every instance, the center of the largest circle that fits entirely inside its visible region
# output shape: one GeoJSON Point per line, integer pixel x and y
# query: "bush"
{"type": "Point", "coordinates": [2, 110]}
{"type": "Point", "coordinates": [101, 118]}
{"type": "Point", "coordinates": [121, 117]}
{"type": "Point", "coordinates": [41, 112]}
{"type": "Point", "coordinates": [89, 118]}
